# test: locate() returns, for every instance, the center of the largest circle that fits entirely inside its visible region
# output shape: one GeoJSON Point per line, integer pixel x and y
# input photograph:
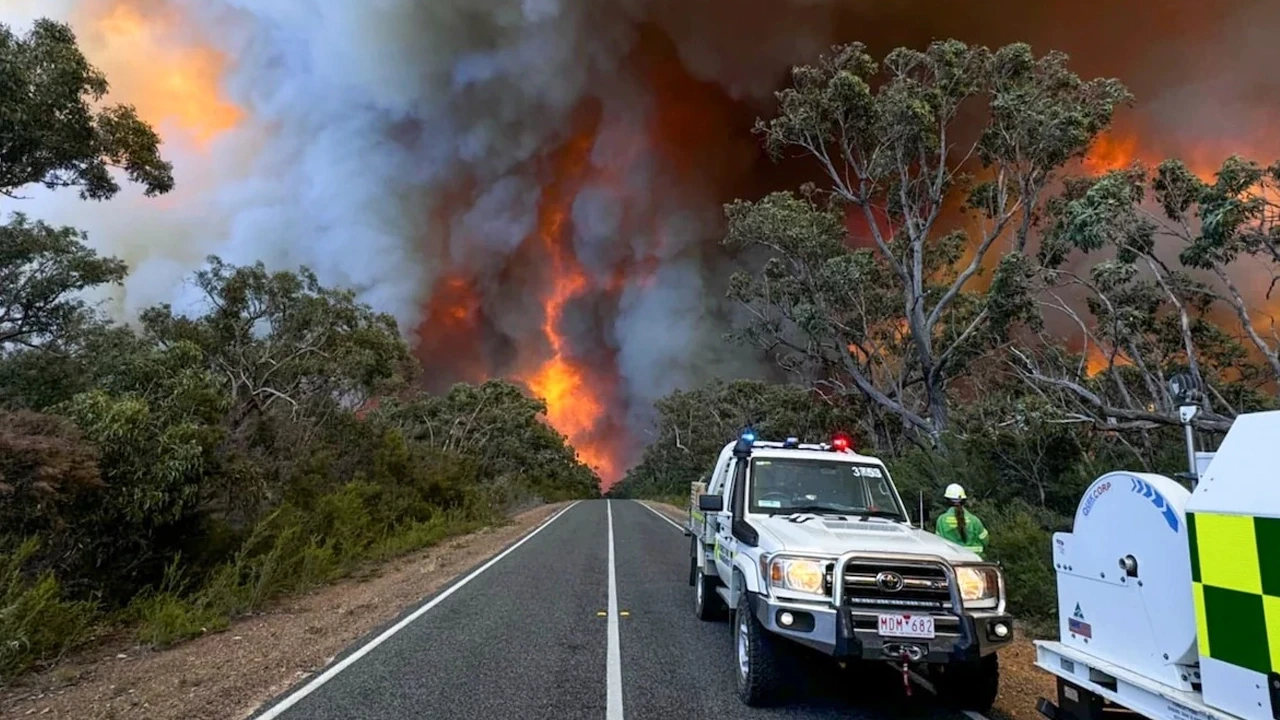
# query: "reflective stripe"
{"type": "Point", "coordinates": [1202, 625]}
{"type": "Point", "coordinates": [949, 528]}
{"type": "Point", "coordinates": [1235, 574]}
{"type": "Point", "coordinates": [721, 554]}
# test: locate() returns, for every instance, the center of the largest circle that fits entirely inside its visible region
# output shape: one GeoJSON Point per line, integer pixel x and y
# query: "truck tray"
{"type": "Point", "coordinates": [1123, 687]}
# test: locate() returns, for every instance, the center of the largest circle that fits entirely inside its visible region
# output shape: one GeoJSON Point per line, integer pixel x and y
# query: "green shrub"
{"type": "Point", "coordinates": [37, 624]}
{"type": "Point", "coordinates": [289, 551]}
{"type": "Point", "coordinates": [417, 535]}
{"type": "Point", "coordinates": [193, 469]}
{"type": "Point", "coordinates": [680, 501]}
{"type": "Point", "coordinates": [165, 616]}
{"type": "Point", "coordinates": [1022, 542]}
{"type": "Point", "coordinates": [164, 619]}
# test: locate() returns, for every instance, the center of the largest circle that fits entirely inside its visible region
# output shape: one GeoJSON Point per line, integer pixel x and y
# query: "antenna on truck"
{"type": "Point", "coordinates": [921, 509]}
{"type": "Point", "coordinates": [1185, 392]}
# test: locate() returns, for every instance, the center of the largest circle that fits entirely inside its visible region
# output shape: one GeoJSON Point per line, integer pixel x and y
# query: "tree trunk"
{"type": "Point", "coordinates": [937, 415]}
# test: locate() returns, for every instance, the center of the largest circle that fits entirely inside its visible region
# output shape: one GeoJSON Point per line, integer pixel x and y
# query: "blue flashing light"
{"type": "Point", "coordinates": [749, 436]}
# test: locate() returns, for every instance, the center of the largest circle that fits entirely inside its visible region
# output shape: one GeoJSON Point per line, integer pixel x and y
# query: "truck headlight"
{"type": "Point", "coordinates": [979, 585]}
{"type": "Point", "coordinates": [799, 574]}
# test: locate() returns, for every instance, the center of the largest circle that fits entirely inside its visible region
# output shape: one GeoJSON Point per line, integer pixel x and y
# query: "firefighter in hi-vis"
{"type": "Point", "coordinates": [961, 526]}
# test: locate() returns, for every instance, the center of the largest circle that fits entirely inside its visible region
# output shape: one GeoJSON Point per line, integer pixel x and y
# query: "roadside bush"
{"type": "Point", "coordinates": [680, 501]}
{"type": "Point", "coordinates": [299, 547]}
{"type": "Point", "coordinates": [168, 614]}
{"type": "Point", "coordinates": [165, 619]}
{"type": "Point", "coordinates": [177, 485]}
{"type": "Point", "coordinates": [152, 465]}
{"type": "Point", "coordinates": [36, 624]}
{"type": "Point", "coordinates": [188, 469]}
{"type": "Point", "coordinates": [1022, 542]}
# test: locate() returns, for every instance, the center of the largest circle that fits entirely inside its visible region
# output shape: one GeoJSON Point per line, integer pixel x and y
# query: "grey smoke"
{"type": "Point", "coordinates": [391, 142]}
{"type": "Point", "coordinates": [500, 219]}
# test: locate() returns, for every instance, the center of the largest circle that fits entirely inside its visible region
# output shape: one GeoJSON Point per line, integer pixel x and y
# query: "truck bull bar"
{"type": "Point", "coordinates": [923, 560]}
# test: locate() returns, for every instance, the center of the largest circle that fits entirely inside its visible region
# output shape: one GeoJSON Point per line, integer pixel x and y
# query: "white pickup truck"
{"type": "Point", "coordinates": [811, 545]}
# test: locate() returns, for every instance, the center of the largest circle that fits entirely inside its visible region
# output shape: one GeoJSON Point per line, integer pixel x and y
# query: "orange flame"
{"type": "Point", "coordinates": [1097, 361]}
{"type": "Point", "coordinates": [449, 330]}
{"type": "Point", "coordinates": [1111, 152]}
{"type": "Point", "coordinates": [1116, 150]}
{"type": "Point", "coordinates": [573, 405]}
{"type": "Point", "coordinates": [172, 80]}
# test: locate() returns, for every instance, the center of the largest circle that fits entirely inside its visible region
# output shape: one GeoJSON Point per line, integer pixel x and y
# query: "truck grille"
{"type": "Point", "coordinates": [924, 586]}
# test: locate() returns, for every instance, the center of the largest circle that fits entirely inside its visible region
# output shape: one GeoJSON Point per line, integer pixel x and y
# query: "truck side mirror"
{"type": "Point", "coordinates": [710, 503]}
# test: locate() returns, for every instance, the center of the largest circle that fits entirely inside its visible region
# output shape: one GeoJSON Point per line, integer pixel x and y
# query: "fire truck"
{"type": "Point", "coordinates": [809, 545]}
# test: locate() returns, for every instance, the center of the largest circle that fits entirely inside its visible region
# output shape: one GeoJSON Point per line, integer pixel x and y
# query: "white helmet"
{"type": "Point", "coordinates": [954, 493]}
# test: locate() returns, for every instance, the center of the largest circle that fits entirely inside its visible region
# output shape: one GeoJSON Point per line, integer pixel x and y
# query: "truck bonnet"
{"type": "Point", "coordinates": [827, 534]}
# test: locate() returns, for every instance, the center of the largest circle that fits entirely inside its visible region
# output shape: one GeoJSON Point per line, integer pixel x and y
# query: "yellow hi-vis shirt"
{"type": "Point", "coordinates": [948, 528]}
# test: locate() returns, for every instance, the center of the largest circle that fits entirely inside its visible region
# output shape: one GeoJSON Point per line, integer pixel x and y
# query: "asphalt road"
{"type": "Point", "coordinates": [589, 616]}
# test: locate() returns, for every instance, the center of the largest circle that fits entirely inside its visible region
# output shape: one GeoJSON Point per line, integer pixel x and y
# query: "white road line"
{"type": "Point", "coordinates": [613, 659]}
{"type": "Point", "coordinates": [671, 522]}
{"type": "Point", "coordinates": [975, 715]}
{"type": "Point", "coordinates": [329, 674]}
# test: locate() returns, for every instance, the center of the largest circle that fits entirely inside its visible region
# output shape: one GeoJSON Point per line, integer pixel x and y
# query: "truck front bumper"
{"type": "Point", "coordinates": [849, 633]}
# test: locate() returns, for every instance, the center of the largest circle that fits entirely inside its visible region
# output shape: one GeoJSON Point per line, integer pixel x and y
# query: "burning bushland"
{"type": "Point", "coordinates": [947, 243]}
{"type": "Point", "coordinates": [535, 190]}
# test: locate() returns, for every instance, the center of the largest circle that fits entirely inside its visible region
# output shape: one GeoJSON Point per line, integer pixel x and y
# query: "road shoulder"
{"type": "Point", "coordinates": [230, 674]}
{"type": "Point", "coordinates": [677, 515]}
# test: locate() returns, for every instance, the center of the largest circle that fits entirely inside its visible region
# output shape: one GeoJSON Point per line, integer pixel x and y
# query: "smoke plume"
{"type": "Point", "coordinates": [533, 187]}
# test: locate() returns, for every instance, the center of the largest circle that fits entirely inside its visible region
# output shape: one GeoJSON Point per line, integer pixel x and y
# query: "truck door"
{"type": "Point", "coordinates": [726, 544]}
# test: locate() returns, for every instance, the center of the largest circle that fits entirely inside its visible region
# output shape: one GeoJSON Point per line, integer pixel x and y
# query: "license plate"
{"type": "Point", "coordinates": [910, 626]}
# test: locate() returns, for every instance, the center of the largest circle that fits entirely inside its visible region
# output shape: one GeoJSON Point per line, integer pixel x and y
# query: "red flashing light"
{"type": "Point", "coordinates": [840, 442]}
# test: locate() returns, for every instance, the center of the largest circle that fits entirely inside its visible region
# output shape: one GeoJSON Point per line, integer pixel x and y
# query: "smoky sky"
{"type": "Point", "coordinates": [405, 148]}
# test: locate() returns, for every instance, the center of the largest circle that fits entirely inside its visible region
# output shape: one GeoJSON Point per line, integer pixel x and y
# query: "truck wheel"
{"type": "Point", "coordinates": [758, 665]}
{"type": "Point", "coordinates": [971, 685]}
{"type": "Point", "coordinates": [706, 601]}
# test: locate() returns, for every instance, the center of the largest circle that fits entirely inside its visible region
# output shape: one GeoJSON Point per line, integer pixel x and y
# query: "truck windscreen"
{"type": "Point", "coordinates": [784, 485]}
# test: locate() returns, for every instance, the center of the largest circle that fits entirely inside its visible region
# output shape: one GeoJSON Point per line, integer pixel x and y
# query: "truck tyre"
{"type": "Point", "coordinates": [971, 685]}
{"type": "Point", "coordinates": [706, 601]}
{"type": "Point", "coordinates": [758, 666]}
